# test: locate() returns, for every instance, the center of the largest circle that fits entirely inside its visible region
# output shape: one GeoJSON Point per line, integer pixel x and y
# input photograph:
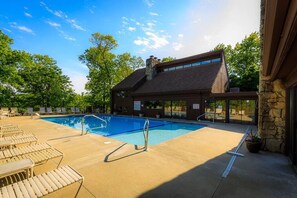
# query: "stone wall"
{"type": "Point", "coordinates": [271, 123]}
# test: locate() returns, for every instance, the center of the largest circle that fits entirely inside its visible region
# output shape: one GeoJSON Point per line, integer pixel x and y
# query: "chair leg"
{"type": "Point", "coordinates": [81, 183]}
{"type": "Point", "coordinates": [60, 161]}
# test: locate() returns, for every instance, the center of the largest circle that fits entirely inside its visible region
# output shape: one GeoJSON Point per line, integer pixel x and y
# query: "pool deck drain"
{"type": "Point", "coordinates": [188, 166]}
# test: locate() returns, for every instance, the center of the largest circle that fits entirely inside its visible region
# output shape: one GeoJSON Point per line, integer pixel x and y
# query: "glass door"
{"type": "Point", "coordinates": [167, 109]}
{"type": "Point", "coordinates": [175, 109]}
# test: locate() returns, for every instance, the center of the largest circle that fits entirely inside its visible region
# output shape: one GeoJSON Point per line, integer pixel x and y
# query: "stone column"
{"type": "Point", "coordinates": [271, 123]}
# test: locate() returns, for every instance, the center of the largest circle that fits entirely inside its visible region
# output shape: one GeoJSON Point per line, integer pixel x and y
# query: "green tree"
{"type": "Point", "coordinates": [243, 62]}
{"type": "Point", "coordinates": [167, 59]}
{"type": "Point", "coordinates": [44, 83]}
{"type": "Point", "coordinates": [9, 78]}
{"type": "Point", "coordinates": [105, 68]}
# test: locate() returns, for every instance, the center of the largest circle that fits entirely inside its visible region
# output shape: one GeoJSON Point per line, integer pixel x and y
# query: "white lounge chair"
{"type": "Point", "coordinates": [39, 185]}
{"type": "Point", "coordinates": [42, 110]}
{"type": "Point", "coordinates": [73, 110]}
{"type": "Point", "coordinates": [30, 111]}
{"type": "Point", "coordinates": [49, 110]}
{"type": "Point", "coordinates": [39, 154]}
{"type": "Point", "coordinates": [10, 131]}
{"type": "Point", "coordinates": [8, 142]}
{"type": "Point", "coordinates": [64, 110]}
{"type": "Point", "coordinates": [58, 110]}
{"type": "Point", "coordinates": [77, 110]}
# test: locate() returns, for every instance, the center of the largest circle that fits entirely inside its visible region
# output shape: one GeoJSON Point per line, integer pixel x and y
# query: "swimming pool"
{"type": "Point", "coordinates": [128, 129]}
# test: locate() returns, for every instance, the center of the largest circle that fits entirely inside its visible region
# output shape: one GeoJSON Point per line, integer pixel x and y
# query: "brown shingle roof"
{"type": "Point", "coordinates": [200, 78]}
{"type": "Point", "coordinates": [131, 81]}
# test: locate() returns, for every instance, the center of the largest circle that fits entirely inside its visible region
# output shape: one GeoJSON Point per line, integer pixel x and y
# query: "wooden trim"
{"type": "Point", "coordinates": [287, 37]}
{"type": "Point", "coordinates": [269, 19]}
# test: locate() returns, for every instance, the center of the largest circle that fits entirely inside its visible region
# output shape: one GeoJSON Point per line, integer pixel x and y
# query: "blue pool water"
{"type": "Point", "coordinates": [128, 129]}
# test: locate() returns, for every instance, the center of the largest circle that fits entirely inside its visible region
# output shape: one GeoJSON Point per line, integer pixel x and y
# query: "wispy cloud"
{"type": "Point", "coordinates": [131, 29]}
{"type": "Point", "coordinates": [22, 28]}
{"type": "Point", "coordinates": [7, 30]}
{"type": "Point", "coordinates": [74, 24]}
{"type": "Point", "coordinates": [62, 15]}
{"type": "Point", "coordinates": [149, 3]}
{"type": "Point", "coordinates": [153, 14]}
{"type": "Point", "coordinates": [27, 14]}
{"type": "Point", "coordinates": [53, 24]}
{"type": "Point", "coordinates": [65, 35]}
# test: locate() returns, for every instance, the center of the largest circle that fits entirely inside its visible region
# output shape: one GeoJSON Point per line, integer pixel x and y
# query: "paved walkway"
{"type": "Point", "coordinates": [187, 166]}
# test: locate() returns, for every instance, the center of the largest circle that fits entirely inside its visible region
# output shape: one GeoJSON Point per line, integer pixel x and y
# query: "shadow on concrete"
{"type": "Point", "coordinates": [106, 159]}
{"type": "Point", "coordinates": [256, 175]}
{"type": "Point", "coordinates": [64, 137]}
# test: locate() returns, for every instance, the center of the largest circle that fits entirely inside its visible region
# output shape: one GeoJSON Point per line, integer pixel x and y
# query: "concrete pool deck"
{"type": "Point", "coordinates": [187, 166]}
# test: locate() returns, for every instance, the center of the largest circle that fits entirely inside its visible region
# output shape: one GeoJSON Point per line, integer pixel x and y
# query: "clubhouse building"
{"type": "Point", "coordinates": [187, 88]}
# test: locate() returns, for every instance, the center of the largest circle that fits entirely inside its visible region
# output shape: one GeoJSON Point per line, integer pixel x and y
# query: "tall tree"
{"type": "Point", "coordinates": [243, 62]}
{"type": "Point", "coordinates": [44, 82]}
{"type": "Point", "coordinates": [105, 68]}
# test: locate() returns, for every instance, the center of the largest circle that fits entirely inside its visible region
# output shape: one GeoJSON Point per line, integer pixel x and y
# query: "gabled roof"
{"type": "Point", "coordinates": [199, 78]}
{"type": "Point", "coordinates": [131, 81]}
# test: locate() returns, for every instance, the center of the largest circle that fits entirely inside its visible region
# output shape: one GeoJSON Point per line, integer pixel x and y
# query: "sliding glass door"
{"type": "Point", "coordinates": [175, 109]}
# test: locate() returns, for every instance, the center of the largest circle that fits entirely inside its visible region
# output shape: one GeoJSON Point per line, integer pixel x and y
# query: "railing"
{"type": "Point", "coordinates": [198, 118]}
{"type": "Point", "coordinates": [83, 122]}
{"type": "Point", "coordinates": [146, 133]}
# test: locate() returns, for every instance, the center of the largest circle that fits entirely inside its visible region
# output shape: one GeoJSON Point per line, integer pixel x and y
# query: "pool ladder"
{"type": "Point", "coordinates": [83, 123]}
{"type": "Point", "coordinates": [145, 131]}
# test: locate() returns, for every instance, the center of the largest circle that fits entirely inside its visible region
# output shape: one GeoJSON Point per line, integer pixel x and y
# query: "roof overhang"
{"type": "Point", "coordinates": [279, 23]}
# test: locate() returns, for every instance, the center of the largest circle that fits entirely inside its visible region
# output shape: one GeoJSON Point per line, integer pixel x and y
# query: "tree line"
{"type": "Point", "coordinates": [35, 80]}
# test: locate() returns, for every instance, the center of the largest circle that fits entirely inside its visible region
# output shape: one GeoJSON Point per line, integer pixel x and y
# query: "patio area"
{"type": "Point", "coordinates": [187, 166]}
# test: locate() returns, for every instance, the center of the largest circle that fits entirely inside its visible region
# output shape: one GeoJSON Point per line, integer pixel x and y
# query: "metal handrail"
{"type": "Point", "coordinates": [83, 122]}
{"type": "Point", "coordinates": [205, 114]}
{"type": "Point", "coordinates": [146, 133]}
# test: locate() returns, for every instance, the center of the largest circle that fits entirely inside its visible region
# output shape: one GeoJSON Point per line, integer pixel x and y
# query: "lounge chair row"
{"type": "Point", "coordinates": [22, 159]}
{"type": "Point", "coordinates": [59, 110]}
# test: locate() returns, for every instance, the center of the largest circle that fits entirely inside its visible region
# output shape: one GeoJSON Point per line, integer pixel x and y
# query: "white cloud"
{"type": "Point", "coordinates": [177, 46]}
{"type": "Point", "coordinates": [25, 29]}
{"type": "Point", "coordinates": [149, 3]}
{"type": "Point", "coordinates": [131, 29]}
{"type": "Point", "coordinates": [180, 35]}
{"type": "Point", "coordinates": [142, 41]}
{"type": "Point", "coordinates": [22, 28]}
{"type": "Point", "coordinates": [7, 30]}
{"type": "Point", "coordinates": [157, 40]}
{"type": "Point", "coordinates": [28, 14]}
{"type": "Point", "coordinates": [75, 25]}
{"type": "Point", "coordinates": [153, 14]}
{"type": "Point", "coordinates": [63, 16]}
{"type": "Point", "coordinates": [65, 35]}
{"type": "Point", "coordinates": [53, 24]}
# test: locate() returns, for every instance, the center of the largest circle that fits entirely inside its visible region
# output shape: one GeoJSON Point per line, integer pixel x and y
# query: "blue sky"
{"type": "Point", "coordinates": [177, 28]}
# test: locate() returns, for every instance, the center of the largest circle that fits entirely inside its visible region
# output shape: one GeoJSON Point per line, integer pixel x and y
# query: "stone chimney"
{"type": "Point", "coordinates": [150, 71]}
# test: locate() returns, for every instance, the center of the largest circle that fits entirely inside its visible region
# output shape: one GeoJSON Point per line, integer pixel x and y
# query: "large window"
{"type": "Point", "coordinates": [204, 62]}
{"type": "Point", "coordinates": [175, 109]}
{"type": "Point", "coordinates": [215, 109]}
{"type": "Point", "coordinates": [153, 104]}
{"type": "Point", "coordinates": [242, 111]}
